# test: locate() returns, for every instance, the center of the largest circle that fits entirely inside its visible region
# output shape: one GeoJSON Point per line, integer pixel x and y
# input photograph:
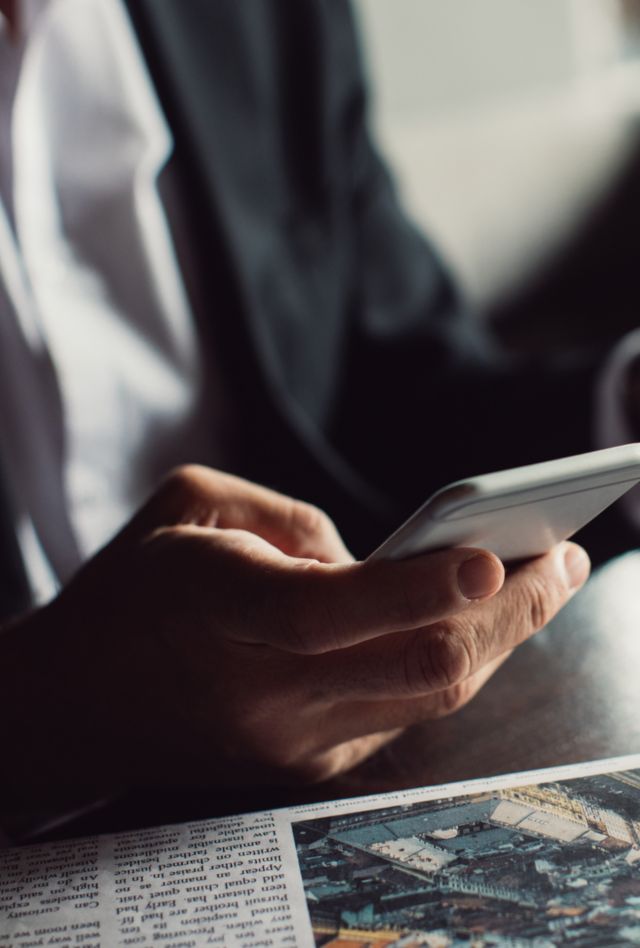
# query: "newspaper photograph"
{"type": "Point", "coordinates": [537, 859]}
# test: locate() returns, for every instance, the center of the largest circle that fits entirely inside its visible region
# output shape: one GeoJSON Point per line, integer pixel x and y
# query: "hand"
{"type": "Point", "coordinates": [226, 636]}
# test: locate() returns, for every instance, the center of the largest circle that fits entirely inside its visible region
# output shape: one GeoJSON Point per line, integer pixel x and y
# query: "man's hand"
{"type": "Point", "coordinates": [227, 636]}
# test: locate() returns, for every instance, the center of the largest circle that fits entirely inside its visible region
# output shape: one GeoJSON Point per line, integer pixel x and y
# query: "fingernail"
{"type": "Point", "coordinates": [577, 565]}
{"type": "Point", "coordinates": [477, 577]}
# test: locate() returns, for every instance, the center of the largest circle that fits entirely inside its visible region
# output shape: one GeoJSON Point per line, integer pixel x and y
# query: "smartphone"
{"type": "Point", "coordinates": [520, 513]}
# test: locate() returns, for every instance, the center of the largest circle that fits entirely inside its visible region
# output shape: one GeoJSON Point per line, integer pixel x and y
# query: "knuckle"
{"type": "Point", "coordinates": [450, 656]}
{"type": "Point", "coordinates": [183, 483]}
{"type": "Point", "coordinates": [436, 660]}
{"type": "Point", "coordinates": [539, 602]}
{"type": "Point", "coordinates": [183, 475]}
{"type": "Point", "coordinates": [309, 520]}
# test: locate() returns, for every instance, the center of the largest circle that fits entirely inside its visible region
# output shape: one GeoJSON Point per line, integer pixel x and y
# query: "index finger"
{"type": "Point", "coordinates": [201, 496]}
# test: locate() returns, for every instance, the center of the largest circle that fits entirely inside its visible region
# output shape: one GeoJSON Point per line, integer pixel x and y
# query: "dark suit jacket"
{"type": "Point", "coordinates": [355, 377]}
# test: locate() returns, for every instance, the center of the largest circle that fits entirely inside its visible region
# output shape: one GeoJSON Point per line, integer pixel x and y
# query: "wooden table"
{"type": "Point", "coordinates": [570, 694]}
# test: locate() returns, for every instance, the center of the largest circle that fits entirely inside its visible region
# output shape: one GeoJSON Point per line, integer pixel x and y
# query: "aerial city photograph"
{"type": "Point", "coordinates": [536, 866]}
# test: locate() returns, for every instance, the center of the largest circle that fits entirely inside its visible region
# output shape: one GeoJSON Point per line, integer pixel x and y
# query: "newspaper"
{"type": "Point", "coordinates": [539, 859]}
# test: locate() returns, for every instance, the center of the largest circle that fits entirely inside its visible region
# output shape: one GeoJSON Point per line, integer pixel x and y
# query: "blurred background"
{"type": "Point", "coordinates": [514, 131]}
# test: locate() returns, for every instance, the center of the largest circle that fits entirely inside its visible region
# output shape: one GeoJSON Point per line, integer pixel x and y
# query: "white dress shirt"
{"type": "Point", "coordinates": [101, 375]}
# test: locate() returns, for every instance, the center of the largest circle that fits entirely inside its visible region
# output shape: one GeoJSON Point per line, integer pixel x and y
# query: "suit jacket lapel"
{"type": "Point", "coordinates": [214, 69]}
{"type": "Point", "coordinates": [254, 176]}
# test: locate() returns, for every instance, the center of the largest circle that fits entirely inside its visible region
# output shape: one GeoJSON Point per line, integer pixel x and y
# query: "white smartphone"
{"type": "Point", "coordinates": [520, 513]}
